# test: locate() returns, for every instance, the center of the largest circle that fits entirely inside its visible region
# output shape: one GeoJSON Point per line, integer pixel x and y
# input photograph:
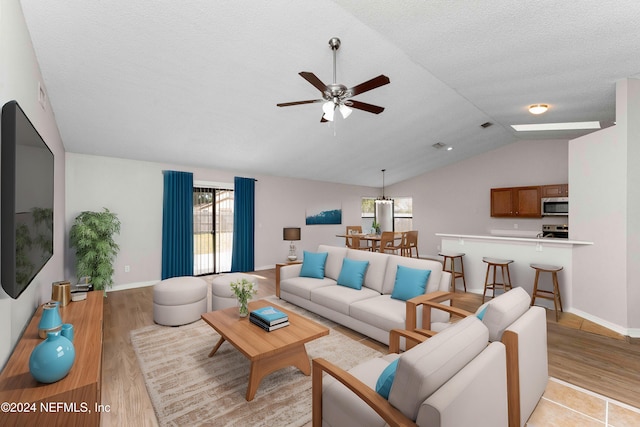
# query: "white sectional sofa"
{"type": "Point", "coordinates": [370, 310]}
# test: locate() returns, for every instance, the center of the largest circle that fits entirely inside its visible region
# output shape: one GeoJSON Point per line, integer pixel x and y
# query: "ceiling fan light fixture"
{"type": "Point", "coordinates": [345, 111]}
{"type": "Point", "coordinates": [329, 110]}
{"type": "Point", "coordinates": [538, 108]}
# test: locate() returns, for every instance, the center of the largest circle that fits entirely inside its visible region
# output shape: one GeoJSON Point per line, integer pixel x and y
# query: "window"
{"type": "Point", "coordinates": [402, 213]}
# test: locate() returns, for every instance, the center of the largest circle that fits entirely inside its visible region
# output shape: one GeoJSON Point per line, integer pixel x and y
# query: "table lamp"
{"type": "Point", "coordinates": [291, 234]}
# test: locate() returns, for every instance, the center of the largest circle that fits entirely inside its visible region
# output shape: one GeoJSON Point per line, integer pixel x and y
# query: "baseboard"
{"type": "Point", "coordinates": [123, 286]}
{"type": "Point", "coordinates": [634, 335]}
{"type": "Point", "coordinates": [606, 324]}
{"type": "Point", "coordinates": [134, 285]}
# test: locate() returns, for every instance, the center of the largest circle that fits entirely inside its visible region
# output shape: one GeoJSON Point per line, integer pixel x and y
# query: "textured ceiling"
{"type": "Point", "coordinates": [197, 82]}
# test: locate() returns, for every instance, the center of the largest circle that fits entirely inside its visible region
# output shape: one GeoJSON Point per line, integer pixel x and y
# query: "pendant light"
{"type": "Point", "coordinates": [384, 211]}
{"type": "Point", "coordinates": [383, 199]}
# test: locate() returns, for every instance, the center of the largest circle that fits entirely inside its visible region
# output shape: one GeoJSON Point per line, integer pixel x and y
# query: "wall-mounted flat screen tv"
{"type": "Point", "coordinates": [26, 201]}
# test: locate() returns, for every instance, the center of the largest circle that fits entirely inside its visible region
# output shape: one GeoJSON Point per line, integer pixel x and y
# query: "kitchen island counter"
{"type": "Point", "coordinates": [523, 251]}
{"type": "Point", "coordinates": [542, 240]}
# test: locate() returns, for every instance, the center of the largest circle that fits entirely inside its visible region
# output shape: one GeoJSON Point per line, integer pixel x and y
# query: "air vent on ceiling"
{"type": "Point", "coordinates": [439, 145]}
{"type": "Point", "coordinates": [486, 125]}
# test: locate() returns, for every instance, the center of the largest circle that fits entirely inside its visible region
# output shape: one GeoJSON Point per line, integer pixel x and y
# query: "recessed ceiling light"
{"type": "Point", "coordinates": [538, 108]}
{"type": "Point", "coordinates": [449, 148]}
{"type": "Point", "coordinates": [557, 126]}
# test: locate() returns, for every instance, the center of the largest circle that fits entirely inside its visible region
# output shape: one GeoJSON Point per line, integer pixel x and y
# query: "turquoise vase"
{"type": "Point", "coordinates": [50, 320]}
{"type": "Point", "coordinates": [52, 359]}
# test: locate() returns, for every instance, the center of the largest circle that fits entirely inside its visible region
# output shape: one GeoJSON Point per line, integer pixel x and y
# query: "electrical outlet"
{"type": "Point", "coordinates": [127, 268]}
{"type": "Point", "coordinates": [515, 226]}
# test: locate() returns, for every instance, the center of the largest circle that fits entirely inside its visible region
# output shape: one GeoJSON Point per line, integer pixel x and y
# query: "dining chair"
{"type": "Point", "coordinates": [353, 229]}
{"type": "Point", "coordinates": [354, 242]}
{"type": "Point", "coordinates": [387, 242]}
{"type": "Point", "coordinates": [409, 243]}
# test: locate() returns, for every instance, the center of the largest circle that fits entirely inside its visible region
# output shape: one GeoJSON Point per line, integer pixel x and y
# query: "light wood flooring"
{"type": "Point", "coordinates": [580, 352]}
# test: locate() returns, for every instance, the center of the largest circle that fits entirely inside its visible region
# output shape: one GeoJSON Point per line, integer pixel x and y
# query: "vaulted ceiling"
{"type": "Point", "coordinates": [197, 82]}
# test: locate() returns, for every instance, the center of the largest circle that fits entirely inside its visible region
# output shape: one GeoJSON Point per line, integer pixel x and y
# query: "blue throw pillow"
{"type": "Point", "coordinates": [410, 282]}
{"type": "Point", "coordinates": [352, 273]}
{"type": "Point", "coordinates": [313, 264]}
{"type": "Point", "coordinates": [385, 380]}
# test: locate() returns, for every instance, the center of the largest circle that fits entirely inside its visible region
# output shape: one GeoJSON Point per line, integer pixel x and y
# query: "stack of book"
{"type": "Point", "coordinates": [269, 318]}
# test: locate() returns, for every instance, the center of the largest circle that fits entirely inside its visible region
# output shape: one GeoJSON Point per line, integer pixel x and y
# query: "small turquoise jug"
{"type": "Point", "coordinates": [52, 359]}
{"type": "Point", "coordinates": [51, 320]}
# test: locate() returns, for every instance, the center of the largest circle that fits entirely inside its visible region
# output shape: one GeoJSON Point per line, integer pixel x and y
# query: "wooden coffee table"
{"type": "Point", "coordinates": [267, 351]}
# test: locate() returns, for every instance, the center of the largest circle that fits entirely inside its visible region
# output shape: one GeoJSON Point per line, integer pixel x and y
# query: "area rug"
{"type": "Point", "coordinates": [188, 388]}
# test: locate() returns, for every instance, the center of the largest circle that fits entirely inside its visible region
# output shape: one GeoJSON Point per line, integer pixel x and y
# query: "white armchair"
{"type": "Point", "coordinates": [522, 329]}
{"type": "Point", "coordinates": [443, 381]}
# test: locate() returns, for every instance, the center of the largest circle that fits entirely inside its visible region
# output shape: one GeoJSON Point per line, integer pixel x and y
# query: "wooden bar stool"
{"type": "Point", "coordinates": [452, 268]}
{"type": "Point", "coordinates": [506, 276]}
{"type": "Point", "coordinates": [541, 293]}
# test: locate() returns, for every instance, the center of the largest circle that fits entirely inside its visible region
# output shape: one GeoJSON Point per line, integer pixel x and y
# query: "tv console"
{"type": "Point", "coordinates": [75, 399]}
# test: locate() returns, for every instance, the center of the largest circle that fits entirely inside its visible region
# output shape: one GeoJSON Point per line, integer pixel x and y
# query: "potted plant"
{"type": "Point", "coordinates": [244, 290]}
{"type": "Point", "coordinates": [92, 237]}
{"type": "Point", "coordinates": [376, 226]}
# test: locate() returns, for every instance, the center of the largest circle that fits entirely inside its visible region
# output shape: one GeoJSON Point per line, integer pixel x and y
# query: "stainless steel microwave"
{"type": "Point", "coordinates": [555, 206]}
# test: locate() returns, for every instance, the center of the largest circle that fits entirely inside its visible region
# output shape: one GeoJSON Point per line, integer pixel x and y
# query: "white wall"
{"type": "Point", "coordinates": [19, 80]}
{"type": "Point", "coordinates": [596, 175]}
{"type": "Point", "coordinates": [456, 198]}
{"type": "Point", "coordinates": [631, 122]}
{"type": "Point", "coordinates": [133, 189]}
{"type": "Point", "coordinates": [605, 200]}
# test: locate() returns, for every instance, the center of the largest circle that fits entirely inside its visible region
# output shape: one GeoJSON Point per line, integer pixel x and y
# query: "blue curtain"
{"type": "Point", "coordinates": [177, 224]}
{"type": "Point", "coordinates": [242, 255]}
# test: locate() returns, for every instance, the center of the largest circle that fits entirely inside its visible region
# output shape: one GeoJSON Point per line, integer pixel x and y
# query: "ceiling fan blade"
{"type": "Point", "coordinates": [288, 104]}
{"type": "Point", "coordinates": [364, 106]}
{"type": "Point", "coordinates": [315, 81]}
{"type": "Point", "coordinates": [375, 82]}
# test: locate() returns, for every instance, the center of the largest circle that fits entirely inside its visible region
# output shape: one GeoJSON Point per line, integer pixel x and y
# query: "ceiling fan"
{"type": "Point", "coordinates": [336, 96]}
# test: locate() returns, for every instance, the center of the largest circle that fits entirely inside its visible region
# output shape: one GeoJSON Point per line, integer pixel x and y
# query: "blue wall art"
{"type": "Point", "coordinates": [324, 215]}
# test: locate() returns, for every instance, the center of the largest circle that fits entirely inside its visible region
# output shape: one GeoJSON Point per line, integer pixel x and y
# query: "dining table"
{"type": "Point", "coordinates": [373, 238]}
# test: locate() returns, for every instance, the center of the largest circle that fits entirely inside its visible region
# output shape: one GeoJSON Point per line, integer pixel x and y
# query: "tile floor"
{"type": "Point", "coordinates": [566, 405]}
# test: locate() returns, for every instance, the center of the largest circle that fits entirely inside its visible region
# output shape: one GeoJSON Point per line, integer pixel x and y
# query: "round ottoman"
{"type": "Point", "coordinates": [179, 300]}
{"type": "Point", "coordinates": [222, 295]}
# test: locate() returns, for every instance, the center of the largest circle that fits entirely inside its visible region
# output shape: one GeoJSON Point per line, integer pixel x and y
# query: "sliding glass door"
{"type": "Point", "coordinates": [213, 230]}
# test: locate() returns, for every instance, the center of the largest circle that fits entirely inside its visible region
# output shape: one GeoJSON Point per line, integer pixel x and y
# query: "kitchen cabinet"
{"type": "Point", "coordinates": [555, 190]}
{"type": "Point", "coordinates": [522, 202]}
